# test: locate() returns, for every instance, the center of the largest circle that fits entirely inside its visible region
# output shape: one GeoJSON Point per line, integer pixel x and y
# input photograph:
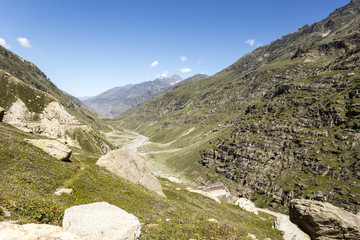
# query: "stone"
{"type": "Point", "coordinates": [252, 236]}
{"type": "Point", "coordinates": [213, 220]}
{"type": "Point", "coordinates": [322, 220]}
{"type": "Point", "coordinates": [2, 113]}
{"type": "Point", "coordinates": [52, 147]}
{"type": "Point", "coordinates": [319, 196]}
{"type": "Point", "coordinates": [101, 220]}
{"type": "Point", "coordinates": [129, 165]}
{"type": "Point", "coordinates": [206, 194]}
{"type": "Point", "coordinates": [220, 191]}
{"type": "Point", "coordinates": [105, 148]}
{"type": "Point", "coordinates": [64, 191]}
{"type": "Point", "coordinates": [11, 231]}
{"type": "Point", "coordinates": [291, 231]}
{"type": "Point", "coordinates": [247, 205]}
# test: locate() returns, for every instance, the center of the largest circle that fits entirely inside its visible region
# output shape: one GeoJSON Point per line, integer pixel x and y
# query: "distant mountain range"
{"type": "Point", "coordinates": [119, 99]}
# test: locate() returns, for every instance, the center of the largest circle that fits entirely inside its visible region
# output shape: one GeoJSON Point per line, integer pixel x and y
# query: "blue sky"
{"type": "Point", "coordinates": [86, 47]}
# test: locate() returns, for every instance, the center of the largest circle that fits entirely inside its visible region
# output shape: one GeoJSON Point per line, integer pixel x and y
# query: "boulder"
{"type": "Point", "coordinates": [247, 205]}
{"type": "Point", "coordinates": [10, 231]}
{"type": "Point", "coordinates": [291, 231]}
{"type": "Point", "coordinates": [220, 191]}
{"type": "Point", "coordinates": [52, 147]}
{"type": "Point", "coordinates": [100, 220]}
{"type": "Point", "coordinates": [127, 164]}
{"type": "Point", "coordinates": [61, 191]}
{"type": "Point", "coordinates": [322, 220]}
{"type": "Point", "coordinates": [2, 113]}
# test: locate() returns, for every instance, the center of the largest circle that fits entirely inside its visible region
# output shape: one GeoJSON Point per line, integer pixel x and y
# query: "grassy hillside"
{"type": "Point", "coordinates": [20, 79]}
{"type": "Point", "coordinates": [28, 73]}
{"type": "Point", "coordinates": [280, 123]}
{"type": "Point", "coordinates": [29, 177]}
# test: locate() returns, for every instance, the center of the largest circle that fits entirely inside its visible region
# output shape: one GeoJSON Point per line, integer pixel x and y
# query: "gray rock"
{"type": "Point", "coordinates": [52, 147]}
{"type": "Point", "coordinates": [127, 164]}
{"type": "Point", "coordinates": [10, 231]}
{"type": "Point", "coordinates": [61, 191]}
{"type": "Point", "coordinates": [2, 113]}
{"type": "Point", "coordinates": [291, 231]}
{"type": "Point", "coordinates": [99, 221]}
{"type": "Point", "coordinates": [220, 191]}
{"type": "Point", "coordinates": [324, 221]}
{"type": "Point", "coordinates": [247, 205]}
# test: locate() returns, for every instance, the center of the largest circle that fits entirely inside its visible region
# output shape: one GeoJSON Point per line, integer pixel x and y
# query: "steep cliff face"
{"type": "Point", "coordinates": [284, 119]}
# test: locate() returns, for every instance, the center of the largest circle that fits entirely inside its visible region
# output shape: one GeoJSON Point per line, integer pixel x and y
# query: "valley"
{"type": "Point", "coordinates": [267, 148]}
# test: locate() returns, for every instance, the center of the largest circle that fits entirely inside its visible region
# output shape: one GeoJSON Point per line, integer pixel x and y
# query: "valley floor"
{"type": "Point", "coordinates": [139, 146]}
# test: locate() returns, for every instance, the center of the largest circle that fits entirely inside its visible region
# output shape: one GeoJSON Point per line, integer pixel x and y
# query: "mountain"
{"type": "Point", "coordinates": [34, 104]}
{"type": "Point", "coordinates": [117, 100]}
{"type": "Point", "coordinates": [34, 110]}
{"type": "Point", "coordinates": [280, 123]}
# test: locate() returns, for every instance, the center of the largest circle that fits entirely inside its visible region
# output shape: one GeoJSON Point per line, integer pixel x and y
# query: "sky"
{"type": "Point", "coordinates": [86, 47]}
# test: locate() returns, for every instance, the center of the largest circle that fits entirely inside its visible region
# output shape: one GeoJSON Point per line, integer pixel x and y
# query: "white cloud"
{"type": "Point", "coordinates": [4, 43]}
{"type": "Point", "coordinates": [183, 58]}
{"type": "Point", "coordinates": [164, 74]}
{"type": "Point", "coordinates": [185, 70]}
{"type": "Point", "coordinates": [24, 42]}
{"type": "Point", "coordinates": [154, 63]}
{"type": "Point", "coordinates": [251, 42]}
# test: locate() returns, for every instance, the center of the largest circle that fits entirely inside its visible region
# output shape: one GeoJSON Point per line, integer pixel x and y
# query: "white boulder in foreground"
{"type": "Point", "coordinates": [247, 205]}
{"type": "Point", "coordinates": [10, 231]}
{"type": "Point", "coordinates": [99, 221]}
{"type": "Point", "coordinates": [52, 147]}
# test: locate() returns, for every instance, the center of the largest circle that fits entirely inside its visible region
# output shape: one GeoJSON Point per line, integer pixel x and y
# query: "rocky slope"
{"type": "Point", "coordinates": [283, 120]}
{"type": "Point", "coordinates": [117, 100]}
{"type": "Point", "coordinates": [34, 104]}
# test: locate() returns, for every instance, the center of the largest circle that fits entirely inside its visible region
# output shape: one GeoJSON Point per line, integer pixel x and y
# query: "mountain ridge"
{"type": "Point", "coordinates": [280, 123]}
{"type": "Point", "coordinates": [119, 99]}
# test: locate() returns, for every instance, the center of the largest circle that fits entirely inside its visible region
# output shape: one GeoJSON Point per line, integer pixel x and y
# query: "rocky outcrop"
{"type": "Point", "coordinates": [324, 221]}
{"type": "Point", "coordinates": [2, 113]}
{"type": "Point", "coordinates": [127, 164]}
{"type": "Point", "coordinates": [98, 221]}
{"type": "Point", "coordinates": [291, 231]}
{"type": "Point", "coordinates": [10, 231]}
{"type": "Point", "coordinates": [53, 148]}
{"type": "Point", "coordinates": [247, 205]}
{"type": "Point", "coordinates": [54, 121]}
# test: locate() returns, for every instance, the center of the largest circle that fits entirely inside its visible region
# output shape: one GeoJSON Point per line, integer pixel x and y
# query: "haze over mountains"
{"type": "Point", "coordinates": [119, 99]}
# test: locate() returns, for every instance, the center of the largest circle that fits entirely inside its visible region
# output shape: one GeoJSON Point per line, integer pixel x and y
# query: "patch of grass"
{"type": "Point", "coordinates": [29, 177]}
